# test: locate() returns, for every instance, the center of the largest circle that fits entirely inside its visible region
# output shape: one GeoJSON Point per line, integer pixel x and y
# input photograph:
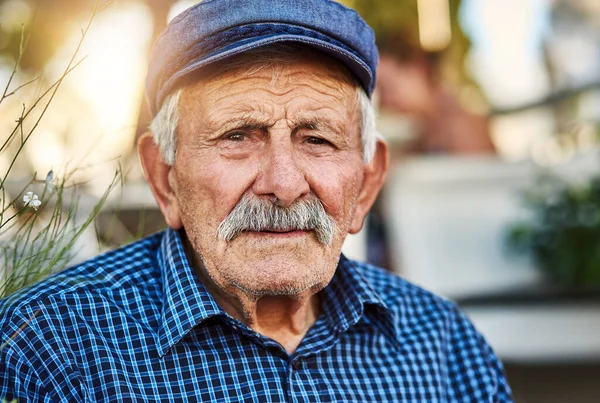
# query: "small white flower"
{"type": "Point", "coordinates": [31, 200]}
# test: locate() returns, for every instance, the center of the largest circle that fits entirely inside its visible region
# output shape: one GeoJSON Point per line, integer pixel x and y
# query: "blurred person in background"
{"type": "Point", "coordinates": [262, 156]}
{"type": "Point", "coordinates": [409, 84]}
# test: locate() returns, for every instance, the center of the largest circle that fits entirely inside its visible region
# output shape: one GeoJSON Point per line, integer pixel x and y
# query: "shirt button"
{"type": "Point", "coordinates": [296, 365]}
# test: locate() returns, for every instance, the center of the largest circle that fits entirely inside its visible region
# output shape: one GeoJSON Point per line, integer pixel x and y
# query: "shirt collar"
{"type": "Point", "coordinates": [186, 302]}
{"type": "Point", "coordinates": [348, 295]}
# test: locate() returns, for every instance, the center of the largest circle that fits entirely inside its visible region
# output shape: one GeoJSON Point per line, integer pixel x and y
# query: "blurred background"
{"type": "Point", "coordinates": [491, 109]}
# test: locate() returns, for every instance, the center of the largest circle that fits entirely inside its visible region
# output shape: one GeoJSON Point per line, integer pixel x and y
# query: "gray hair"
{"type": "Point", "coordinates": [164, 124]}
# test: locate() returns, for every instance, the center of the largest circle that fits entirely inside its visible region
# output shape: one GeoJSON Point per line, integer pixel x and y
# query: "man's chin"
{"type": "Point", "coordinates": [281, 275]}
{"type": "Point", "coordinates": [284, 246]}
{"type": "Point", "coordinates": [266, 264]}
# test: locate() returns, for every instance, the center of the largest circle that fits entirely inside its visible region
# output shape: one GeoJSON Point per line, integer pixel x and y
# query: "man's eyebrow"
{"type": "Point", "coordinates": [247, 121]}
{"type": "Point", "coordinates": [316, 123]}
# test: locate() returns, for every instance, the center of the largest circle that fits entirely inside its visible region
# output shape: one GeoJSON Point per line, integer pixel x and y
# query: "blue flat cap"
{"type": "Point", "coordinates": [216, 29]}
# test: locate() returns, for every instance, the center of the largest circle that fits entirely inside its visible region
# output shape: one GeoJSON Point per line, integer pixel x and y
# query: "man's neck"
{"type": "Point", "coordinates": [284, 319]}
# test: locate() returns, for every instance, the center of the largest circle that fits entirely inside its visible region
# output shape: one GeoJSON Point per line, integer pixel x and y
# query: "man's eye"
{"type": "Point", "coordinates": [236, 136]}
{"type": "Point", "coordinates": [316, 141]}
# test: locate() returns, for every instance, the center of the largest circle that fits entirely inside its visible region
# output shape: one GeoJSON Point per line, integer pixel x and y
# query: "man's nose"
{"type": "Point", "coordinates": [280, 176]}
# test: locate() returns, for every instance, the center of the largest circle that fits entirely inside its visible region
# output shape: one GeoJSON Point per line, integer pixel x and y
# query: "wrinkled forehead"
{"type": "Point", "coordinates": [259, 86]}
{"type": "Point", "coordinates": [273, 62]}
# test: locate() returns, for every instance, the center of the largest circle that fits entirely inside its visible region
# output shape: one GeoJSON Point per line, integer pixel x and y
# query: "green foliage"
{"type": "Point", "coordinates": [396, 25]}
{"type": "Point", "coordinates": [34, 251]}
{"type": "Point", "coordinates": [390, 17]}
{"type": "Point", "coordinates": [38, 235]}
{"type": "Point", "coordinates": [563, 235]}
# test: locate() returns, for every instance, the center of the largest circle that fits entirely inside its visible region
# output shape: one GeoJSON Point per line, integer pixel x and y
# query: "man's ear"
{"type": "Point", "coordinates": [375, 174]}
{"type": "Point", "coordinates": [160, 177]}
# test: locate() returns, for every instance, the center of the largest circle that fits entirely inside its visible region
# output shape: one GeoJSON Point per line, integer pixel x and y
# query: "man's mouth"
{"type": "Point", "coordinates": [279, 232]}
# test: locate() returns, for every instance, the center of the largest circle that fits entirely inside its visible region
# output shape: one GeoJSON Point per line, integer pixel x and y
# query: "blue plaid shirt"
{"type": "Point", "coordinates": [136, 325]}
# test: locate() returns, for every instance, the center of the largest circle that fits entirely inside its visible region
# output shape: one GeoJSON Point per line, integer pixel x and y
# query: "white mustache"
{"type": "Point", "coordinates": [255, 214]}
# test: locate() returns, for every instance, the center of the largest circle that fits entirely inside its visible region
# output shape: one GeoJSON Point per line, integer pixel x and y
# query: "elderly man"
{"type": "Point", "coordinates": [262, 157]}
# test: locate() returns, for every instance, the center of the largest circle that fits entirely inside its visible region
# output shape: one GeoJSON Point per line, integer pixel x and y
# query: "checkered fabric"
{"type": "Point", "coordinates": [136, 325]}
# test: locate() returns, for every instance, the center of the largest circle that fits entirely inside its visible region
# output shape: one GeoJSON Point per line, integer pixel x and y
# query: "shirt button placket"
{"type": "Point", "coordinates": [294, 366]}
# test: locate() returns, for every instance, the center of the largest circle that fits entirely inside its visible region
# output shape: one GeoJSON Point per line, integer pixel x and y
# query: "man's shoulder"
{"type": "Point", "coordinates": [424, 321]}
{"type": "Point", "coordinates": [132, 265]}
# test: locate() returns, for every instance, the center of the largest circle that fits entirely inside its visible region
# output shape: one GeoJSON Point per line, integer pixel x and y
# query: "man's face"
{"type": "Point", "coordinates": [283, 134]}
